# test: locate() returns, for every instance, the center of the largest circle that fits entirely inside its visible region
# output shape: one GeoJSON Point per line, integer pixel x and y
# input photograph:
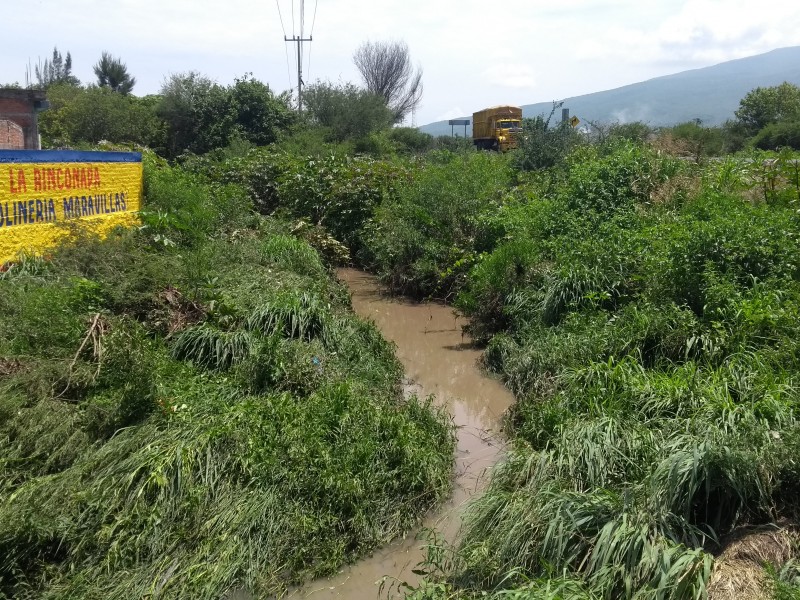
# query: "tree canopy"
{"type": "Point", "coordinates": [56, 70]}
{"type": "Point", "coordinates": [763, 106]}
{"type": "Point", "coordinates": [347, 110]}
{"type": "Point", "coordinates": [112, 73]}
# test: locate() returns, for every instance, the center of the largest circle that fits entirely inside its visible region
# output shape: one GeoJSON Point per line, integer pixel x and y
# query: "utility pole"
{"type": "Point", "coordinates": [299, 39]}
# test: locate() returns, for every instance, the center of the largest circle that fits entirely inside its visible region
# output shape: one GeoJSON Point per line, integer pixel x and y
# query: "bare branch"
{"type": "Point", "coordinates": [387, 71]}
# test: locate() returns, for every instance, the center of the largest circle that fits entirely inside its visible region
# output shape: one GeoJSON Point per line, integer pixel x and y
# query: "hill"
{"type": "Point", "coordinates": [711, 94]}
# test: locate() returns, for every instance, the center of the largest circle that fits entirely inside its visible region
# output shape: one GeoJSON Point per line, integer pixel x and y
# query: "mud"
{"type": "Point", "coordinates": [438, 360]}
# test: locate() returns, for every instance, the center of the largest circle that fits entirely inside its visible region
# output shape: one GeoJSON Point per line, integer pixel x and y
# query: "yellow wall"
{"type": "Point", "coordinates": [42, 203]}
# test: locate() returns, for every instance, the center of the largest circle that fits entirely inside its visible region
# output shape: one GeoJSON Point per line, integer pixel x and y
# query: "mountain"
{"type": "Point", "coordinates": [711, 94]}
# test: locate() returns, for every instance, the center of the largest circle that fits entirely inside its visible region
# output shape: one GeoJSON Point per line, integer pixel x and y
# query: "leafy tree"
{"type": "Point", "coordinates": [349, 112]}
{"type": "Point", "coordinates": [113, 73]}
{"type": "Point", "coordinates": [260, 115]}
{"type": "Point", "coordinates": [88, 115]}
{"type": "Point", "coordinates": [763, 106]}
{"type": "Point", "coordinates": [387, 71]}
{"type": "Point", "coordinates": [55, 71]}
{"type": "Point", "coordinates": [199, 114]}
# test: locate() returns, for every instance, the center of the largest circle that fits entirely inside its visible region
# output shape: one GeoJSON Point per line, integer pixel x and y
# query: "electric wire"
{"type": "Point", "coordinates": [314, 20]}
{"type": "Point", "coordinates": [280, 16]}
{"type": "Point", "coordinates": [311, 35]}
{"type": "Point", "coordinates": [285, 45]}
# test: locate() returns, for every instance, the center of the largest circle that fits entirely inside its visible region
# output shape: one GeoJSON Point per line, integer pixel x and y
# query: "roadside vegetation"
{"type": "Point", "coordinates": [190, 407]}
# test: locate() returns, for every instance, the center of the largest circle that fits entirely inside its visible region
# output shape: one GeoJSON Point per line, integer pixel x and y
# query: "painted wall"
{"type": "Point", "coordinates": [49, 195]}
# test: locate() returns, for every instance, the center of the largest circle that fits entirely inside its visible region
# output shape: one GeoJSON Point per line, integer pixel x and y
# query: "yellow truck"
{"type": "Point", "coordinates": [497, 128]}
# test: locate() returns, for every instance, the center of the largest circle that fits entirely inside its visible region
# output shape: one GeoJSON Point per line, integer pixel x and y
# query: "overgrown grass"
{"type": "Point", "coordinates": [191, 408]}
{"type": "Point", "coordinates": [645, 315]}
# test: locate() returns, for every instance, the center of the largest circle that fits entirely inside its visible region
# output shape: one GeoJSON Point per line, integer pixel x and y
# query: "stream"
{"type": "Point", "coordinates": [438, 360]}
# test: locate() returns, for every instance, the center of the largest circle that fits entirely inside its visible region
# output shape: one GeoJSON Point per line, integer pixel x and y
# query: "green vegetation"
{"type": "Point", "coordinates": [647, 328]}
{"type": "Point", "coordinates": [112, 73]}
{"type": "Point", "coordinates": [191, 408]}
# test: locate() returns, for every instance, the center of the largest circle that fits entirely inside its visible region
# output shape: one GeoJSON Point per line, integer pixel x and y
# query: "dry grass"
{"type": "Point", "coordinates": [739, 569]}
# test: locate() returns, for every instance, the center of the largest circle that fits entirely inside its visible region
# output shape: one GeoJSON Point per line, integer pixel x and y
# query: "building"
{"type": "Point", "coordinates": [19, 122]}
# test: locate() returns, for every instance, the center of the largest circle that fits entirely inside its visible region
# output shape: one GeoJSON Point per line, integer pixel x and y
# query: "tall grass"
{"type": "Point", "coordinates": [651, 341]}
{"type": "Point", "coordinates": [199, 412]}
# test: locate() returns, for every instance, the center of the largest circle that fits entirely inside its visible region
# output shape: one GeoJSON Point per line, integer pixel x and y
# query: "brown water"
{"type": "Point", "coordinates": [438, 360]}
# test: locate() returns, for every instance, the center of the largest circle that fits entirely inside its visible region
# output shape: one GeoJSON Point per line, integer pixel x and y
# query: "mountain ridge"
{"type": "Point", "coordinates": [710, 94]}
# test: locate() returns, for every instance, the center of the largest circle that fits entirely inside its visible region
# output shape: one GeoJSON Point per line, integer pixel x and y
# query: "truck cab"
{"type": "Point", "coordinates": [497, 128]}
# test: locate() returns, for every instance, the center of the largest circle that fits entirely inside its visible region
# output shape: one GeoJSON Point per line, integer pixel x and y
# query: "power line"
{"type": "Point", "coordinates": [314, 20]}
{"type": "Point", "coordinates": [280, 16]}
{"type": "Point", "coordinates": [285, 46]}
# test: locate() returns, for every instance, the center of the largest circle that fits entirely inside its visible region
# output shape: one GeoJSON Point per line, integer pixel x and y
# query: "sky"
{"type": "Point", "coordinates": [473, 54]}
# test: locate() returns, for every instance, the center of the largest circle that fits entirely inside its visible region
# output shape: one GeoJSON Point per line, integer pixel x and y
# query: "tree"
{"type": "Point", "coordinates": [88, 115]}
{"type": "Point", "coordinates": [199, 114]}
{"type": "Point", "coordinates": [260, 115]}
{"type": "Point", "coordinates": [763, 106]}
{"type": "Point", "coordinates": [55, 71]}
{"type": "Point", "coordinates": [387, 71]}
{"type": "Point", "coordinates": [349, 112]}
{"type": "Point", "coordinates": [113, 73]}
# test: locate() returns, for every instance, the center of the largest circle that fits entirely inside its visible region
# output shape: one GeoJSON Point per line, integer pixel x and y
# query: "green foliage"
{"type": "Point", "coordinates": [774, 136]}
{"type": "Point", "coordinates": [634, 131]}
{"type": "Point", "coordinates": [208, 347]}
{"type": "Point", "coordinates": [335, 192]}
{"type": "Point", "coordinates": [410, 140]}
{"type": "Point", "coordinates": [182, 209]}
{"type": "Point", "coordinates": [55, 71]}
{"type": "Point", "coordinates": [542, 146]}
{"type": "Point", "coordinates": [763, 106]}
{"type": "Point", "coordinates": [423, 241]}
{"type": "Point", "coordinates": [648, 334]}
{"type": "Point", "coordinates": [90, 115]}
{"type": "Point", "coordinates": [189, 408]}
{"type": "Point", "coordinates": [112, 73]}
{"type": "Point", "coordinates": [199, 114]}
{"type": "Point", "coordinates": [261, 116]}
{"type": "Point", "coordinates": [346, 111]}
{"type": "Point", "coordinates": [700, 141]}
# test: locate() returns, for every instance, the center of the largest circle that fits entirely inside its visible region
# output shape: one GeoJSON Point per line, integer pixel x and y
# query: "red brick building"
{"type": "Point", "coordinates": [19, 127]}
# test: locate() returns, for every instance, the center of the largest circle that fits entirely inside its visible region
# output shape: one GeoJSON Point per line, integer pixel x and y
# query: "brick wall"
{"type": "Point", "coordinates": [20, 107]}
{"type": "Point", "coordinates": [11, 136]}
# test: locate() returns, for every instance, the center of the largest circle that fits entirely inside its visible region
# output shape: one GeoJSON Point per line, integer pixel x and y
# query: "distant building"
{"type": "Point", "coordinates": [19, 118]}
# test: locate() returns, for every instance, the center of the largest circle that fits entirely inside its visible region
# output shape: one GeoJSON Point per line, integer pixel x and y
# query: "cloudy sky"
{"type": "Point", "coordinates": [473, 53]}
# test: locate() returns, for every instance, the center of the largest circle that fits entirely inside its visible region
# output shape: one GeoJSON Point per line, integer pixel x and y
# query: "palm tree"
{"type": "Point", "coordinates": [112, 73]}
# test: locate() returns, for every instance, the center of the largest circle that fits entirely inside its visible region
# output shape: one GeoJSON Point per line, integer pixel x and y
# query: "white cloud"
{"type": "Point", "coordinates": [510, 75]}
{"type": "Point", "coordinates": [472, 54]}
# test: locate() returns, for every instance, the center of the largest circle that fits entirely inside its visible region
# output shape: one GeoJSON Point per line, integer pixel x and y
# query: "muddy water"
{"type": "Point", "coordinates": [438, 360]}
